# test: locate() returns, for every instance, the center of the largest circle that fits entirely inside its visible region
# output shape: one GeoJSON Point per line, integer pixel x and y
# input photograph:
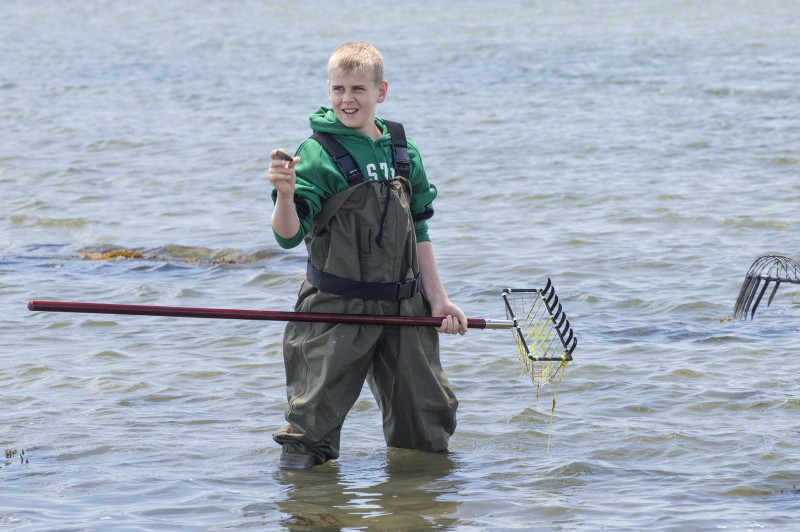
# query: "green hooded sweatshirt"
{"type": "Point", "coordinates": [318, 177]}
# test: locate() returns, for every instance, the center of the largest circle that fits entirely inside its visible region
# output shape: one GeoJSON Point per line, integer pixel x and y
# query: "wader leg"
{"type": "Point", "coordinates": [417, 402]}
{"type": "Point", "coordinates": [326, 365]}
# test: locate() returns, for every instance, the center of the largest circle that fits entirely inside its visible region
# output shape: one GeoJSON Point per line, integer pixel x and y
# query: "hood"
{"type": "Point", "coordinates": [324, 119]}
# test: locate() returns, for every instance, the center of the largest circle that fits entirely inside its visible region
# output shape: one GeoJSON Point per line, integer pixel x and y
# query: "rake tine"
{"type": "Point", "coordinates": [560, 323]}
{"type": "Point", "coordinates": [551, 305]}
{"type": "Point", "coordinates": [747, 287]}
{"type": "Point", "coordinates": [774, 291]}
{"type": "Point", "coordinates": [548, 286]}
{"type": "Point", "coordinates": [742, 297]}
{"type": "Point", "coordinates": [758, 300]}
{"type": "Point", "coordinates": [569, 337]}
{"type": "Point", "coordinates": [550, 301]}
{"type": "Point", "coordinates": [566, 329]}
{"type": "Point", "coordinates": [553, 315]}
{"type": "Point", "coordinates": [550, 296]}
{"type": "Point", "coordinates": [747, 279]}
{"type": "Point", "coordinates": [751, 294]}
{"type": "Point", "coordinates": [571, 349]}
{"type": "Point", "coordinates": [562, 327]}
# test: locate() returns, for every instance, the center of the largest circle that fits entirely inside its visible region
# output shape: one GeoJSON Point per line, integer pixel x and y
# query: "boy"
{"type": "Point", "coordinates": [358, 194]}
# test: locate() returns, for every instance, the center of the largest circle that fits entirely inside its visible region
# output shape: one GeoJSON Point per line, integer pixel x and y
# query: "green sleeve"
{"type": "Point", "coordinates": [422, 194]}
{"type": "Point", "coordinates": [317, 180]}
{"type": "Point", "coordinates": [288, 243]}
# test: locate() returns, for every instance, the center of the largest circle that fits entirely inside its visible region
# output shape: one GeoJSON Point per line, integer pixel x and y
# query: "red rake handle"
{"type": "Point", "coordinates": [237, 314]}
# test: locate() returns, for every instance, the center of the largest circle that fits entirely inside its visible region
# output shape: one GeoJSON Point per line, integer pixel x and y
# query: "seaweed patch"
{"type": "Point", "coordinates": [172, 254]}
{"type": "Point", "coordinates": [11, 455]}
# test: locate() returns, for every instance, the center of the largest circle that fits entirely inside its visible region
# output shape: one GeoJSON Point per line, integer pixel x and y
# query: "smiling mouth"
{"type": "Point", "coordinates": [349, 112]}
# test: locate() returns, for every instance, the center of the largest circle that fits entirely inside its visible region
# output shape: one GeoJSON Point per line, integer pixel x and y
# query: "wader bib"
{"type": "Point", "coordinates": [364, 234]}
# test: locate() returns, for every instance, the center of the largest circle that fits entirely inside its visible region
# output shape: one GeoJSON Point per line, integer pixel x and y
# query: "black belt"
{"type": "Point", "coordinates": [327, 282]}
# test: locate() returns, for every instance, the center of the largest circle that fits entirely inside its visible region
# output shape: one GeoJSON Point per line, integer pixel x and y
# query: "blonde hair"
{"type": "Point", "coordinates": [357, 57]}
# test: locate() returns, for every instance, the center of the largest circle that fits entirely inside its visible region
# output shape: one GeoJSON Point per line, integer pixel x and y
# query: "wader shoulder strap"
{"type": "Point", "coordinates": [342, 158]}
{"type": "Point", "coordinates": [347, 165]}
{"type": "Point", "coordinates": [402, 164]}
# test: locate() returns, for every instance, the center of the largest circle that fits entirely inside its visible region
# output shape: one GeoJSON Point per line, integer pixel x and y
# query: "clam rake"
{"type": "Point", "coordinates": [769, 269]}
{"type": "Point", "coordinates": [540, 327]}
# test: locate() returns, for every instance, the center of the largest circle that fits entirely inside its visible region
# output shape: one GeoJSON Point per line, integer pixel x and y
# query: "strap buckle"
{"type": "Point", "coordinates": [402, 163]}
{"type": "Point", "coordinates": [407, 288]}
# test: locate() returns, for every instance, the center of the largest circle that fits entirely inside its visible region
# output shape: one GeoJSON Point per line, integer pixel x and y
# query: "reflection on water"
{"type": "Point", "coordinates": [409, 490]}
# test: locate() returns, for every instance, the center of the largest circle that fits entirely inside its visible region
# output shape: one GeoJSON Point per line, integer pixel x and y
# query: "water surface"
{"type": "Point", "coordinates": [640, 154]}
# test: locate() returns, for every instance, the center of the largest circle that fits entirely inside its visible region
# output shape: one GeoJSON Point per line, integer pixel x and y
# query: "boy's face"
{"type": "Point", "coordinates": [354, 98]}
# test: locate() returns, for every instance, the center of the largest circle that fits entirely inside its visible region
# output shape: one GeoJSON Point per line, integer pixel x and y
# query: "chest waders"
{"type": "Point", "coordinates": [363, 260]}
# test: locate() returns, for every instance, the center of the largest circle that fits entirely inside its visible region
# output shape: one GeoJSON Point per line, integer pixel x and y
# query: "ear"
{"type": "Point", "coordinates": [382, 89]}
